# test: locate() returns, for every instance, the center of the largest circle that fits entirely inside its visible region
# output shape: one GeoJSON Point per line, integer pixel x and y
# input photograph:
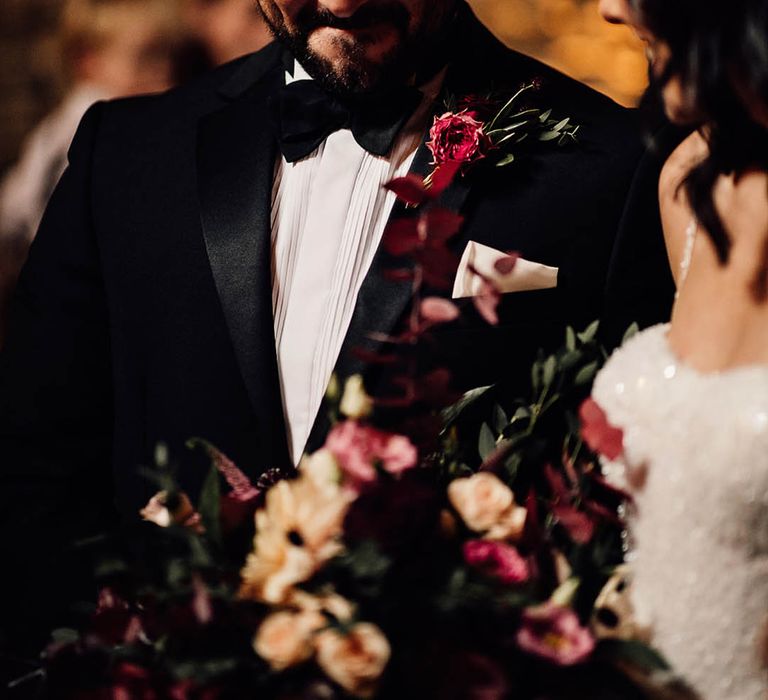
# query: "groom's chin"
{"type": "Point", "coordinates": [356, 61]}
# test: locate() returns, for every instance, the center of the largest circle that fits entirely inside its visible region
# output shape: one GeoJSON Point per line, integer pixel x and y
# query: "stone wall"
{"type": "Point", "coordinates": [567, 33]}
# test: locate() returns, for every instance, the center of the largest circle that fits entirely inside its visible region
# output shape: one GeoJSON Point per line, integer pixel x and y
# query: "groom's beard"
{"type": "Point", "coordinates": [420, 45]}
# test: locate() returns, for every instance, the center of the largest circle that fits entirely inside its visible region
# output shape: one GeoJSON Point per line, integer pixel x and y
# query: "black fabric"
{"type": "Point", "coordinates": [144, 311]}
{"type": "Point", "coordinates": [307, 115]}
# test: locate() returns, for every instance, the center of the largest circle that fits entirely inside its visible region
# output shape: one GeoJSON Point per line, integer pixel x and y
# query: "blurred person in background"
{"type": "Point", "coordinates": [219, 31]}
{"type": "Point", "coordinates": [109, 48]}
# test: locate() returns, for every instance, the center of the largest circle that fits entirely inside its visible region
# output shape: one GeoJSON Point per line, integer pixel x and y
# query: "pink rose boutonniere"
{"type": "Point", "coordinates": [458, 137]}
{"type": "Point", "coordinates": [463, 137]}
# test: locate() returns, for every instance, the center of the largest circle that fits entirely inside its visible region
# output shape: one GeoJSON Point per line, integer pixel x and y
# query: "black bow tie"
{"type": "Point", "coordinates": [307, 115]}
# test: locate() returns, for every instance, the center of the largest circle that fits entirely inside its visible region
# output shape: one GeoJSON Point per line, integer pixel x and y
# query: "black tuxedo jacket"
{"type": "Point", "coordinates": [144, 311]}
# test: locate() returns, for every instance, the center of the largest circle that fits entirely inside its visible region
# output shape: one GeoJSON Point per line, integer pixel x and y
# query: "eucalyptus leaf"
{"type": "Point", "coordinates": [209, 506]}
{"type": "Point", "coordinates": [586, 374]}
{"type": "Point", "coordinates": [589, 334]}
{"type": "Point", "coordinates": [512, 465]}
{"type": "Point", "coordinates": [506, 160]}
{"type": "Point", "coordinates": [487, 442]}
{"type": "Point", "coordinates": [637, 654]}
{"type": "Point", "coordinates": [631, 331]}
{"type": "Point", "coordinates": [452, 413]}
{"type": "Point", "coordinates": [500, 419]}
{"type": "Point", "coordinates": [110, 567]}
{"type": "Point", "coordinates": [570, 338]}
{"type": "Point", "coordinates": [536, 375]}
{"type": "Point", "coordinates": [65, 635]}
{"type": "Point", "coordinates": [550, 367]}
{"type": "Point", "coordinates": [561, 125]}
{"type": "Point", "coordinates": [549, 135]}
{"type": "Point", "coordinates": [570, 360]}
{"type": "Point", "coordinates": [545, 116]}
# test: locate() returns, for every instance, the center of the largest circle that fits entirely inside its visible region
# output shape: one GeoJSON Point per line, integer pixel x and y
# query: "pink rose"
{"type": "Point", "coordinates": [359, 448]}
{"type": "Point", "coordinates": [458, 138]}
{"type": "Point", "coordinates": [554, 633]}
{"type": "Point", "coordinates": [497, 559]}
{"type": "Point", "coordinates": [598, 433]}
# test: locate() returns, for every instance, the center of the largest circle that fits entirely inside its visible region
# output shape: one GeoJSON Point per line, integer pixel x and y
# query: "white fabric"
{"type": "Point", "coordinates": [329, 212]}
{"type": "Point", "coordinates": [478, 258]}
{"type": "Point", "coordinates": [26, 189]}
{"type": "Point", "coordinates": [696, 449]}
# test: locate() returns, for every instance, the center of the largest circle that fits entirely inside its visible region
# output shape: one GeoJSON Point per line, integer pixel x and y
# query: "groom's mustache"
{"type": "Point", "coordinates": [367, 16]}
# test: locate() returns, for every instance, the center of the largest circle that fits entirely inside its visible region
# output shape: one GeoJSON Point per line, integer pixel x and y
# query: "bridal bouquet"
{"type": "Point", "coordinates": [476, 570]}
{"type": "Point", "coordinates": [435, 547]}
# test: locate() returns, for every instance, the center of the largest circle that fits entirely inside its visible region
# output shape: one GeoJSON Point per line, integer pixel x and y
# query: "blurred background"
{"type": "Point", "coordinates": [566, 33]}
{"type": "Point", "coordinates": [59, 56]}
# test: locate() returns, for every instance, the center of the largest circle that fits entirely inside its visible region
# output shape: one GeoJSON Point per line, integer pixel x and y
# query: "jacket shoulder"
{"type": "Point", "coordinates": [184, 105]}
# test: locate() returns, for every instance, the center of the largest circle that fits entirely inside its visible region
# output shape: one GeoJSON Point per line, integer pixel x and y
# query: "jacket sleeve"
{"type": "Point", "coordinates": [55, 411]}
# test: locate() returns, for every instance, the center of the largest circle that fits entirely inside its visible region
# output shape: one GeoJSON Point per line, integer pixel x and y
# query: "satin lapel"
{"type": "Point", "coordinates": [236, 157]}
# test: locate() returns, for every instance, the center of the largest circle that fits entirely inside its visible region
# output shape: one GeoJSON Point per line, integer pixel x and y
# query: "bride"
{"type": "Point", "coordinates": [692, 396]}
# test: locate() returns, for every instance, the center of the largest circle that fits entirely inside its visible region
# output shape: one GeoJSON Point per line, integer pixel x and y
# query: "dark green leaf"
{"type": "Point", "coordinates": [512, 465]}
{"type": "Point", "coordinates": [210, 505]}
{"type": "Point", "coordinates": [64, 635]}
{"type": "Point", "coordinates": [536, 372]}
{"type": "Point", "coordinates": [500, 419]}
{"type": "Point", "coordinates": [487, 442]}
{"type": "Point", "coordinates": [570, 360]}
{"type": "Point", "coordinates": [550, 367]}
{"type": "Point", "coordinates": [589, 334]}
{"type": "Point", "coordinates": [635, 653]}
{"type": "Point", "coordinates": [570, 338]}
{"type": "Point", "coordinates": [631, 331]}
{"type": "Point", "coordinates": [108, 568]}
{"type": "Point", "coordinates": [452, 413]}
{"type": "Point", "coordinates": [586, 374]}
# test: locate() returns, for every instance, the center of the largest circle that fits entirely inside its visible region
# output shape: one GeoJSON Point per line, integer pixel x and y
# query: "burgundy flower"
{"type": "Point", "coordinates": [458, 138]}
{"type": "Point", "coordinates": [496, 559]}
{"type": "Point", "coordinates": [359, 448]}
{"type": "Point", "coordinates": [598, 433]}
{"type": "Point", "coordinates": [554, 633]}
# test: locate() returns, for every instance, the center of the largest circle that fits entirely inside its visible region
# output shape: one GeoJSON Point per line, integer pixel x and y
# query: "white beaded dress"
{"type": "Point", "coordinates": [696, 463]}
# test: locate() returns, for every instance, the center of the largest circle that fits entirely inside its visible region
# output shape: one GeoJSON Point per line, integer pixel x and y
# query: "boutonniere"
{"type": "Point", "coordinates": [477, 131]}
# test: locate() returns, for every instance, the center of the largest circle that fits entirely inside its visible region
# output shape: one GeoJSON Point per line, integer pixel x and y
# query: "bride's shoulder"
{"type": "Point", "coordinates": [741, 202]}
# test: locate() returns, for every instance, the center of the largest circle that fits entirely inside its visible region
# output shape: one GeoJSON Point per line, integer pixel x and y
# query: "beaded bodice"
{"type": "Point", "coordinates": [696, 461]}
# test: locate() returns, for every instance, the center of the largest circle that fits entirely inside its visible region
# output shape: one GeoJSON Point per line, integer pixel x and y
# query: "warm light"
{"type": "Point", "coordinates": [571, 36]}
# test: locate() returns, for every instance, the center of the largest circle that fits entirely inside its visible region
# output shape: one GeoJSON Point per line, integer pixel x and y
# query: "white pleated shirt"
{"type": "Point", "coordinates": [329, 212]}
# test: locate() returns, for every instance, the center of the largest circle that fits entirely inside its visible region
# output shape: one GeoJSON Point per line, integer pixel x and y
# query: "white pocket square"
{"type": "Point", "coordinates": [526, 276]}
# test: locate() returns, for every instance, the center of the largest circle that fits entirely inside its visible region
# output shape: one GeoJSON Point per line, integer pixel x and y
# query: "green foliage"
{"type": "Point", "coordinates": [210, 504]}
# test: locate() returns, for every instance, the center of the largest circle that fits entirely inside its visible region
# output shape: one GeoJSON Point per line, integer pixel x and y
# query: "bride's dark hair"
{"type": "Point", "coordinates": [719, 52]}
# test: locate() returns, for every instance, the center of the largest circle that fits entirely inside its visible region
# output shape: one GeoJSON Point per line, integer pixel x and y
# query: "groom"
{"type": "Point", "coordinates": [212, 254]}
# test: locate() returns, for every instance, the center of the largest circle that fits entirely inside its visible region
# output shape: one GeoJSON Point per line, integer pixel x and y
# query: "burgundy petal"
{"type": "Point", "coordinates": [410, 189]}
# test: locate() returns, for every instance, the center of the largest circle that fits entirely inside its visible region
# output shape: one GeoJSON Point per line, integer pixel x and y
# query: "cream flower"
{"type": "Point", "coordinates": [511, 525]}
{"type": "Point", "coordinates": [322, 469]}
{"type": "Point", "coordinates": [285, 639]}
{"type": "Point", "coordinates": [356, 660]}
{"type": "Point", "coordinates": [183, 513]}
{"type": "Point", "coordinates": [355, 402]}
{"type": "Point", "coordinates": [297, 531]}
{"type": "Point", "coordinates": [481, 500]}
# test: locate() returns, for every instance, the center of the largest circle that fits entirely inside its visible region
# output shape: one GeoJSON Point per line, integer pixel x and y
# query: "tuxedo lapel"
{"type": "Point", "coordinates": [235, 166]}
